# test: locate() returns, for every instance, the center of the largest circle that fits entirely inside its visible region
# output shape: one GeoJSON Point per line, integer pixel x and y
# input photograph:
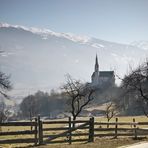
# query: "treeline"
{"type": "Point", "coordinates": [44, 104]}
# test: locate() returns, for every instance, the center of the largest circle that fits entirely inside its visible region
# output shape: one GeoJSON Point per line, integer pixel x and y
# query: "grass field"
{"type": "Point", "coordinates": [99, 142]}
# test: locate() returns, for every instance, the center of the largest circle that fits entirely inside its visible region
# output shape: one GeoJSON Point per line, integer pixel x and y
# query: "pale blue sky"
{"type": "Point", "coordinates": [121, 21]}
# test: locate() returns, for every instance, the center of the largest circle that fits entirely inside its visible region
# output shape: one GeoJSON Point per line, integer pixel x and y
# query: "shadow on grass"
{"type": "Point", "coordinates": [140, 138]}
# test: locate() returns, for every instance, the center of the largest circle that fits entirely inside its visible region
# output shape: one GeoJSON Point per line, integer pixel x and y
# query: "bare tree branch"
{"type": "Point", "coordinates": [79, 93]}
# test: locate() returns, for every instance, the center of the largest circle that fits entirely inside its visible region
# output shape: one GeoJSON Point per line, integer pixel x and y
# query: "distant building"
{"type": "Point", "coordinates": [101, 79]}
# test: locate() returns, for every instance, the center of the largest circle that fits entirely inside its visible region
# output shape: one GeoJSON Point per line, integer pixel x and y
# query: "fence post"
{"type": "Point", "coordinates": [36, 132]}
{"type": "Point", "coordinates": [69, 136]}
{"type": "Point", "coordinates": [116, 128]}
{"type": "Point", "coordinates": [40, 130]}
{"type": "Point", "coordinates": [91, 130]}
{"type": "Point", "coordinates": [135, 129]}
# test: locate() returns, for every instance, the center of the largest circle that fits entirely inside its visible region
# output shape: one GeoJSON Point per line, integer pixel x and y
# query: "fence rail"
{"type": "Point", "coordinates": [43, 132]}
{"type": "Point", "coordinates": [30, 132]}
{"type": "Point", "coordinates": [27, 132]}
{"type": "Point", "coordinates": [12, 141]}
{"type": "Point", "coordinates": [18, 124]}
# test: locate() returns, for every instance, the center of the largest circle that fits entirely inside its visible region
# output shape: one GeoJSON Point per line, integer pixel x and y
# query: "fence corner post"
{"type": "Point", "coordinates": [116, 128]}
{"type": "Point", "coordinates": [135, 128]}
{"type": "Point", "coordinates": [36, 132]}
{"type": "Point", "coordinates": [40, 130]}
{"type": "Point", "coordinates": [69, 136]}
{"type": "Point", "coordinates": [91, 130]}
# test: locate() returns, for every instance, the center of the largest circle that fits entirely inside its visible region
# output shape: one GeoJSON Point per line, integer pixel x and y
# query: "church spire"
{"type": "Point", "coordinates": [96, 64]}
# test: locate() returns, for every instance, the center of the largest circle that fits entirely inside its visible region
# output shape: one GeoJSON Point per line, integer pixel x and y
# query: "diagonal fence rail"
{"type": "Point", "coordinates": [69, 131]}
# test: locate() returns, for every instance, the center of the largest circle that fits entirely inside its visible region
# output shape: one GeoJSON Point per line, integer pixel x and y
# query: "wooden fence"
{"type": "Point", "coordinates": [116, 129]}
{"type": "Point", "coordinates": [10, 140]}
{"type": "Point", "coordinates": [68, 131]}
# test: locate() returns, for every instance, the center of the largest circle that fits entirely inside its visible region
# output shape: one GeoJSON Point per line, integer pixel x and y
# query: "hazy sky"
{"type": "Point", "coordinates": [114, 20]}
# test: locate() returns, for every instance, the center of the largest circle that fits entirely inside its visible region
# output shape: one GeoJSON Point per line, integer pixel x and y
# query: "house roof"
{"type": "Point", "coordinates": [106, 73]}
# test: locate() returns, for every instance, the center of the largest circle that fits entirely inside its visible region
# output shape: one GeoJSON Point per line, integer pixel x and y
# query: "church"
{"type": "Point", "coordinates": [100, 79]}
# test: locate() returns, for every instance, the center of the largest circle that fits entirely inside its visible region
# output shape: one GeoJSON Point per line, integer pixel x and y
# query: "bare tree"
{"type": "Point", "coordinates": [80, 95]}
{"type": "Point", "coordinates": [5, 84]}
{"type": "Point", "coordinates": [136, 84]}
{"type": "Point", "coordinates": [110, 111]}
{"type": "Point", "coordinates": [4, 113]}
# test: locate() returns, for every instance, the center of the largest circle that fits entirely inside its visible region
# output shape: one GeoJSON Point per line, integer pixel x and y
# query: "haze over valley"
{"type": "Point", "coordinates": [39, 59]}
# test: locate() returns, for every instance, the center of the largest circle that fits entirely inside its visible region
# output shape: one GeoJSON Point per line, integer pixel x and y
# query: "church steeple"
{"type": "Point", "coordinates": [95, 75]}
{"type": "Point", "coordinates": [96, 64]}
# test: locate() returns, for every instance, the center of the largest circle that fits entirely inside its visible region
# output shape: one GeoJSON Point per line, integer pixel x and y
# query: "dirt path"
{"type": "Point", "coordinates": [138, 145]}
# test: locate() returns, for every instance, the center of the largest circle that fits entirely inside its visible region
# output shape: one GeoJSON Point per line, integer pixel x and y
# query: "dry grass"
{"type": "Point", "coordinates": [99, 143]}
{"type": "Point", "coordinates": [124, 119]}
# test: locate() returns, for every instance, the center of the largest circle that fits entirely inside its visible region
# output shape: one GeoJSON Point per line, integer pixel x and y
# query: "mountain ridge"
{"type": "Point", "coordinates": [46, 32]}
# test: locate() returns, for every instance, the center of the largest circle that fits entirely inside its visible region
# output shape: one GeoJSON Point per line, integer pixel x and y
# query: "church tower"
{"type": "Point", "coordinates": [96, 65]}
{"type": "Point", "coordinates": [95, 75]}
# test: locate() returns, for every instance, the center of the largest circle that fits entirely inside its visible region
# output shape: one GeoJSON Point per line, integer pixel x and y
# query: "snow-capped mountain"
{"type": "Point", "coordinates": [141, 44]}
{"type": "Point", "coordinates": [38, 59]}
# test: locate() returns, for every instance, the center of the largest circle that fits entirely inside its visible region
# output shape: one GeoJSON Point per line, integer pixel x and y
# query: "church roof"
{"type": "Point", "coordinates": [106, 73]}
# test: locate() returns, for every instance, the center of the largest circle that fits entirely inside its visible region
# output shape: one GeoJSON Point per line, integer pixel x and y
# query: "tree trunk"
{"type": "Point", "coordinates": [108, 123]}
{"type": "Point", "coordinates": [74, 119]}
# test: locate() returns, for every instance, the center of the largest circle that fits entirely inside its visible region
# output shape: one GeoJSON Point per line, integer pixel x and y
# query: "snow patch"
{"type": "Point", "coordinates": [96, 45]}
{"type": "Point", "coordinates": [140, 44]}
{"type": "Point", "coordinates": [46, 32]}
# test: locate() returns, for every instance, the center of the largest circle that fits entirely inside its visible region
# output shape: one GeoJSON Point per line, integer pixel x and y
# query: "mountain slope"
{"type": "Point", "coordinates": [40, 58]}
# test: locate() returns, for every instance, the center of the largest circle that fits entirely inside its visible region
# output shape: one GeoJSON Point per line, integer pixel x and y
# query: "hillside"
{"type": "Point", "coordinates": [38, 59]}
